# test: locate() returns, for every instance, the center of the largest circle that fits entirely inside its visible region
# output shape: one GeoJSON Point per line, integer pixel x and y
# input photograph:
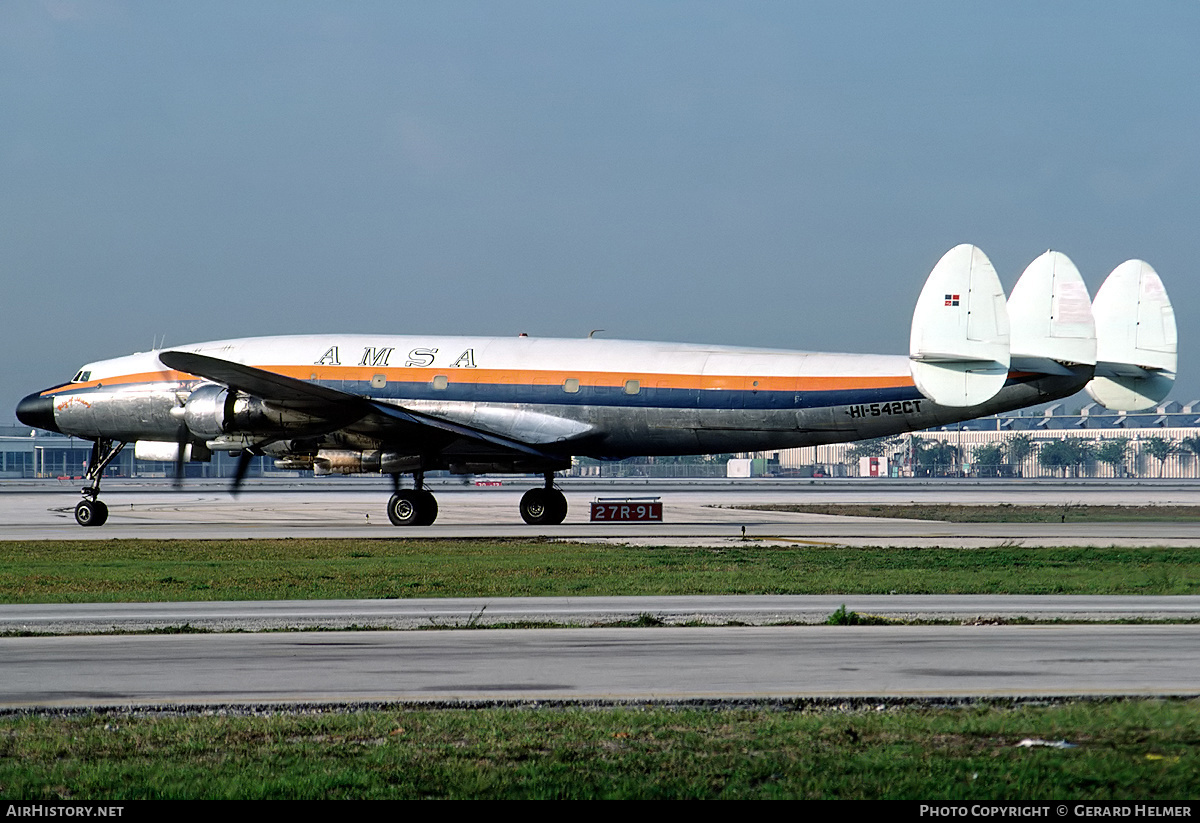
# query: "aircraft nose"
{"type": "Point", "coordinates": [37, 411]}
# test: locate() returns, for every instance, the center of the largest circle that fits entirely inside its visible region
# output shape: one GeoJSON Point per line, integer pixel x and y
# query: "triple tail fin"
{"type": "Point", "coordinates": [965, 337]}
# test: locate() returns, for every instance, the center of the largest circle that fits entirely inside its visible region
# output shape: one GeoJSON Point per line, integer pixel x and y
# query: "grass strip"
{"type": "Point", "coordinates": [188, 570]}
{"type": "Point", "coordinates": [1140, 749]}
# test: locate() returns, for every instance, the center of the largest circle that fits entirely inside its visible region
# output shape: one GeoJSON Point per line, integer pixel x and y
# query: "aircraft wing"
{"type": "Point", "coordinates": [287, 392]}
{"type": "Point", "coordinates": [337, 406]}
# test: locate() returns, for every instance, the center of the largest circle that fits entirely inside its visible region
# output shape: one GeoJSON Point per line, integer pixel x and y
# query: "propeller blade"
{"type": "Point", "coordinates": [396, 482]}
{"type": "Point", "coordinates": [243, 466]}
{"type": "Point", "coordinates": [180, 455]}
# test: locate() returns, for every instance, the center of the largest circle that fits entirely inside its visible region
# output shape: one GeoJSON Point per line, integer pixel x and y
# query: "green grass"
{"type": "Point", "coordinates": [1146, 749]}
{"type": "Point", "coordinates": [1002, 513]}
{"type": "Point", "coordinates": [180, 570]}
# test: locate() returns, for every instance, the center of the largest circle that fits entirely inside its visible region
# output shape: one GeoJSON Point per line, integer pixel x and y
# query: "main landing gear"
{"type": "Point", "coordinates": [91, 511]}
{"type": "Point", "coordinates": [544, 507]}
{"type": "Point", "coordinates": [412, 507]}
{"type": "Point", "coordinates": [417, 506]}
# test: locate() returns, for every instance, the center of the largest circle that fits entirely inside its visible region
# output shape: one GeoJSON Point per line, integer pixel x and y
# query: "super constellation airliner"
{"type": "Point", "coordinates": [400, 405]}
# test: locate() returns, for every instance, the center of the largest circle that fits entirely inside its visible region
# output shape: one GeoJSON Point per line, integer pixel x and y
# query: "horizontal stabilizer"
{"type": "Point", "coordinates": [1135, 339]}
{"type": "Point", "coordinates": [959, 347]}
{"type": "Point", "coordinates": [1039, 365]}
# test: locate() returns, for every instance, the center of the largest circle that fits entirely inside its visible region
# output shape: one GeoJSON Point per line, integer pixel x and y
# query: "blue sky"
{"type": "Point", "coordinates": [768, 174]}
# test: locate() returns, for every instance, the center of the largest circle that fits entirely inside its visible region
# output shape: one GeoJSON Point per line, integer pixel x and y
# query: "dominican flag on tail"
{"type": "Point", "coordinates": [951, 299]}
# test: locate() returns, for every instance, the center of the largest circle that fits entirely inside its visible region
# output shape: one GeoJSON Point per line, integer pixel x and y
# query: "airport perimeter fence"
{"type": "Point", "coordinates": [1168, 453]}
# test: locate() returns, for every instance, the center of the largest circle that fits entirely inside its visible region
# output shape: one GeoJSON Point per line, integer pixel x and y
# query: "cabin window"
{"type": "Point", "coordinates": [440, 382]}
{"type": "Point", "coordinates": [632, 387]}
{"type": "Point", "coordinates": [571, 385]}
{"type": "Point", "coordinates": [379, 381]}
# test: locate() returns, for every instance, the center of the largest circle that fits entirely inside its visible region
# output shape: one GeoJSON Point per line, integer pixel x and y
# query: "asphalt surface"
{"type": "Point", "coordinates": [530, 665]}
{"type": "Point", "coordinates": [462, 664]}
{"type": "Point", "coordinates": [695, 512]}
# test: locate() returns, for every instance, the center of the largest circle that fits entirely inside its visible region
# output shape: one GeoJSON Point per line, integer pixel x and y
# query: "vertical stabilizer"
{"type": "Point", "coordinates": [1050, 313]}
{"type": "Point", "coordinates": [1135, 339]}
{"type": "Point", "coordinates": [959, 347]}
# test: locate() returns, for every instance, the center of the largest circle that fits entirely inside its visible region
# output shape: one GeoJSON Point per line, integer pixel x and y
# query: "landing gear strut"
{"type": "Point", "coordinates": [91, 511]}
{"type": "Point", "coordinates": [544, 507]}
{"type": "Point", "coordinates": [413, 507]}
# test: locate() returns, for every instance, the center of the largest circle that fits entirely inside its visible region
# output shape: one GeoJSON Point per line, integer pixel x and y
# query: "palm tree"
{"type": "Point", "coordinates": [1160, 448]}
{"type": "Point", "coordinates": [1190, 444]}
{"type": "Point", "coordinates": [1114, 452]}
{"type": "Point", "coordinates": [1019, 447]}
{"type": "Point", "coordinates": [988, 458]}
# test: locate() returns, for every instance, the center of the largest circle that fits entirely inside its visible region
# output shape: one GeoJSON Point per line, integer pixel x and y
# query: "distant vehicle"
{"type": "Point", "coordinates": [411, 404]}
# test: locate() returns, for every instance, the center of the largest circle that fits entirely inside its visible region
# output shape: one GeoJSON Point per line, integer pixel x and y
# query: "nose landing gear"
{"type": "Point", "coordinates": [91, 511]}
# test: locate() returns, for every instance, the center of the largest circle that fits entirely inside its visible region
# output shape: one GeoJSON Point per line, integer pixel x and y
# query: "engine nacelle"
{"type": "Point", "coordinates": [213, 411]}
{"type": "Point", "coordinates": [369, 461]}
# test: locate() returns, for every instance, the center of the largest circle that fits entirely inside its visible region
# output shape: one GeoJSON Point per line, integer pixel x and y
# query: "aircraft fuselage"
{"type": "Point", "coordinates": [599, 398]}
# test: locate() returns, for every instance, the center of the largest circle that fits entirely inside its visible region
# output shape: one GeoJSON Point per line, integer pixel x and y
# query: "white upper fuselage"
{"type": "Point", "coordinates": [340, 353]}
{"type": "Point", "coordinates": [608, 398]}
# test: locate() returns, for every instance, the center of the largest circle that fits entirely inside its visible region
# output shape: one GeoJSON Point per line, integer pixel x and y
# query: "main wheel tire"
{"type": "Point", "coordinates": [91, 513]}
{"type": "Point", "coordinates": [429, 508]}
{"type": "Point", "coordinates": [404, 508]}
{"type": "Point", "coordinates": [559, 501]}
{"type": "Point", "coordinates": [543, 507]}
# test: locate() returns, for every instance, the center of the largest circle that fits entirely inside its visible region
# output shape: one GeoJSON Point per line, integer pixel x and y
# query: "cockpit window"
{"type": "Point", "coordinates": [82, 376]}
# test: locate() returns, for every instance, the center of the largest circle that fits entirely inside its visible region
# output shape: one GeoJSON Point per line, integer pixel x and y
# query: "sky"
{"type": "Point", "coordinates": [780, 174]}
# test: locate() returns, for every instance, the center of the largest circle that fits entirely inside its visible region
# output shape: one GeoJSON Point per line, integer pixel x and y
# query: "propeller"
{"type": "Point", "coordinates": [182, 437]}
{"type": "Point", "coordinates": [243, 466]}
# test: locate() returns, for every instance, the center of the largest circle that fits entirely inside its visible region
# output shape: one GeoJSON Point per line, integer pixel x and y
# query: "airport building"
{"type": "Point", "coordinates": [26, 454]}
{"type": "Point", "coordinates": [1094, 442]}
{"type": "Point", "coordinates": [1049, 442]}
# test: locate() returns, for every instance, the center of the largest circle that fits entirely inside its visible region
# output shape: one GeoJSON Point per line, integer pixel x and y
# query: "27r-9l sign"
{"type": "Point", "coordinates": [627, 510]}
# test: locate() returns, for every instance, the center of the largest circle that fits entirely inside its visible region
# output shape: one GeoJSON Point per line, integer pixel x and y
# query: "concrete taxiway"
{"type": "Point", "coordinates": [729, 662]}
{"type": "Point", "coordinates": [469, 612]}
{"type": "Point", "coordinates": [695, 512]}
{"type": "Point", "coordinates": [530, 665]}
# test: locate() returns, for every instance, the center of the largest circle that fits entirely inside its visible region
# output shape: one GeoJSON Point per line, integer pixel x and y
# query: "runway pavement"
{"type": "Point", "coordinates": [695, 512]}
{"type": "Point", "coordinates": [534, 665]}
{"type": "Point", "coordinates": [466, 612]}
{"type": "Point", "coordinates": [470, 665]}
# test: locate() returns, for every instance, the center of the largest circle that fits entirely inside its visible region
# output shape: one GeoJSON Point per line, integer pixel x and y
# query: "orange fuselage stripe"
{"type": "Point", "coordinates": [533, 378]}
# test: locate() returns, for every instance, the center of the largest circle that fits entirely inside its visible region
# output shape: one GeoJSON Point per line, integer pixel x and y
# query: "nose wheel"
{"type": "Point", "coordinates": [91, 513]}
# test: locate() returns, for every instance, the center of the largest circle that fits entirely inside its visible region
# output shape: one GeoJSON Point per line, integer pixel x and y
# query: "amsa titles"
{"type": "Point", "coordinates": [381, 356]}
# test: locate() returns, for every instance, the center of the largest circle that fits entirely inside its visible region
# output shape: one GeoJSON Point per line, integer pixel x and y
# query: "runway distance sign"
{"type": "Point", "coordinates": [627, 510]}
